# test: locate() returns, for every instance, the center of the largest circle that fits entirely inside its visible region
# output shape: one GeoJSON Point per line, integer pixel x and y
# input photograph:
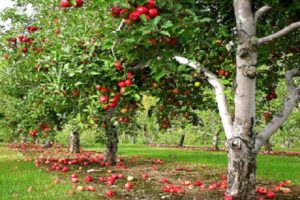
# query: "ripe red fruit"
{"type": "Point", "coordinates": [128, 186]}
{"type": "Point", "coordinates": [116, 98]}
{"type": "Point", "coordinates": [141, 10]}
{"type": "Point", "coordinates": [32, 28]}
{"type": "Point", "coordinates": [128, 82]}
{"type": "Point", "coordinates": [75, 180]}
{"type": "Point", "coordinates": [124, 13]}
{"type": "Point", "coordinates": [88, 179]}
{"type": "Point", "coordinates": [79, 3]}
{"type": "Point", "coordinates": [153, 12]}
{"type": "Point", "coordinates": [112, 104]}
{"type": "Point", "coordinates": [228, 197]}
{"type": "Point", "coordinates": [129, 75]}
{"type": "Point", "coordinates": [105, 107]}
{"type": "Point", "coordinates": [91, 188]}
{"type": "Point", "coordinates": [98, 87]}
{"type": "Point", "coordinates": [103, 99]}
{"type": "Point", "coordinates": [269, 97]}
{"type": "Point", "coordinates": [145, 176]}
{"type": "Point", "coordinates": [115, 11]}
{"type": "Point", "coordinates": [110, 193]}
{"type": "Point", "coordinates": [74, 175]}
{"type": "Point", "coordinates": [262, 190]}
{"type": "Point", "coordinates": [287, 182]}
{"type": "Point", "coordinates": [122, 90]}
{"type": "Point", "coordinates": [221, 72]}
{"type": "Point", "coordinates": [274, 95]}
{"type": "Point", "coordinates": [197, 183]}
{"type": "Point", "coordinates": [120, 119]}
{"type": "Point", "coordinates": [266, 114]}
{"type": "Point", "coordinates": [76, 93]}
{"type": "Point", "coordinates": [126, 119]}
{"type": "Point", "coordinates": [270, 195]}
{"type": "Point", "coordinates": [65, 169]}
{"type": "Point", "coordinates": [104, 89]}
{"type": "Point", "coordinates": [134, 16]}
{"type": "Point", "coordinates": [150, 4]}
{"type": "Point", "coordinates": [102, 179]}
{"type": "Point", "coordinates": [65, 4]}
{"type": "Point", "coordinates": [122, 84]}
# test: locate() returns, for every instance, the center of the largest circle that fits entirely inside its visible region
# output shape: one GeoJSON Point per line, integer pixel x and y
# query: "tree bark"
{"type": "Point", "coordinates": [48, 144]}
{"type": "Point", "coordinates": [23, 140]}
{"type": "Point", "coordinates": [74, 142]}
{"type": "Point", "coordinates": [216, 140]}
{"type": "Point", "coordinates": [148, 137]}
{"type": "Point", "coordinates": [111, 146]}
{"type": "Point", "coordinates": [242, 162]}
{"type": "Point", "coordinates": [181, 140]}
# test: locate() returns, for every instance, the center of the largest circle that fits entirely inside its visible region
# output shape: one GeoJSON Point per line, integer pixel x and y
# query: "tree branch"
{"type": "Point", "coordinates": [260, 12]}
{"type": "Point", "coordinates": [280, 33]}
{"type": "Point", "coordinates": [291, 101]}
{"type": "Point", "coordinates": [219, 90]}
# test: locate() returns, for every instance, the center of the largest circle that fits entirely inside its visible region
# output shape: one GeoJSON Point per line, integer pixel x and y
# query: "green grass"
{"type": "Point", "coordinates": [17, 175]}
{"type": "Point", "coordinates": [277, 168]}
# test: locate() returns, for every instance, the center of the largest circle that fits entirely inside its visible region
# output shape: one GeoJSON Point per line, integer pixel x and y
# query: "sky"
{"type": "Point", "coordinates": [6, 4]}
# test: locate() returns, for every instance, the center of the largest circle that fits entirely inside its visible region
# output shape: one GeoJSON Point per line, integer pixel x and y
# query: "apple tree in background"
{"type": "Point", "coordinates": [180, 30]}
{"type": "Point", "coordinates": [96, 60]}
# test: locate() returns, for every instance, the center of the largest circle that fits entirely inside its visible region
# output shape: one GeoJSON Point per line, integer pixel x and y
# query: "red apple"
{"type": "Point", "coordinates": [270, 195]}
{"type": "Point", "coordinates": [128, 82]}
{"type": "Point", "coordinates": [112, 104]}
{"type": "Point", "coordinates": [65, 4]}
{"type": "Point", "coordinates": [122, 84]}
{"type": "Point", "coordinates": [75, 180]}
{"type": "Point", "coordinates": [128, 186]}
{"type": "Point", "coordinates": [103, 99]}
{"type": "Point", "coordinates": [141, 10]}
{"type": "Point", "coordinates": [110, 193]}
{"type": "Point", "coordinates": [129, 75]}
{"type": "Point", "coordinates": [115, 11]}
{"type": "Point", "coordinates": [88, 179]}
{"type": "Point", "coordinates": [134, 16]}
{"type": "Point", "coordinates": [221, 72]}
{"type": "Point", "coordinates": [150, 4]}
{"type": "Point", "coordinates": [79, 3]}
{"type": "Point", "coordinates": [153, 12]}
{"type": "Point", "coordinates": [145, 176]}
{"type": "Point", "coordinates": [197, 183]}
{"type": "Point", "coordinates": [104, 90]}
{"type": "Point", "coordinates": [91, 188]}
{"type": "Point", "coordinates": [98, 87]}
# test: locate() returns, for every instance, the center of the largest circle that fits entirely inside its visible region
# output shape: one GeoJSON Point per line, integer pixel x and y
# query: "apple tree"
{"type": "Point", "coordinates": [231, 39]}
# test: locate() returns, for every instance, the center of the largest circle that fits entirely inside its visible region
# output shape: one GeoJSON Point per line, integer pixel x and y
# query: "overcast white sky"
{"type": "Point", "coordinates": [8, 3]}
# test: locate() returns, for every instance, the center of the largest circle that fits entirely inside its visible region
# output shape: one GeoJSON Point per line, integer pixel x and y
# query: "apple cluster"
{"type": "Point", "coordinates": [67, 3]}
{"type": "Point", "coordinates": [222, 72]}
{"type": "Point", "coordinates": [133, 14]}
{"type": "Point", "coordinates": [271, 96]}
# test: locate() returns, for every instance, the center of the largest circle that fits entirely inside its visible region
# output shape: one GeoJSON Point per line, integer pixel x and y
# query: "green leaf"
{"type": "Point", "coordinates": [167, 24]}
{"type": "Point", "coordinates": [166, 33]}
{"type": "Point", "coordinates": [156, 20]}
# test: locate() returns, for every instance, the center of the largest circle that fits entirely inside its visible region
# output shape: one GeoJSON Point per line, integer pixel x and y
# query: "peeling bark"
{"type": "Point", "coordinates": [74, 142]}
{"type": "Point", "coordinates": [111, 146]}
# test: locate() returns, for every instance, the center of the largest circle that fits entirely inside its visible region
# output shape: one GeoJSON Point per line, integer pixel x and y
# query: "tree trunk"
{"type": "Point", "coordinates": [181, 140]}
{"type": "Point", "coordinates": [268, 146]}
{"type": "Point", "coordinates": [216, 140]}
{"type": "Point", "coordinates": [48, 144]}
{"type": "Point", "coordinates": [23, 140]}
{"type": "Point", "coordinates": [111, 146]}
{"type": "Point", "coordinates": [148, 137]}
{"type": "Point", "coordinates": [74, 142]}
{"type": "Point", "coordinates": [242, 162]}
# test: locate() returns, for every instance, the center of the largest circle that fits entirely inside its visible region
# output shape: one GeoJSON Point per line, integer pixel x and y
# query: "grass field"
{"type": "Point", "coordinates": [20, 179]}
{"type": "Point", "coordinates": [276, 168]}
